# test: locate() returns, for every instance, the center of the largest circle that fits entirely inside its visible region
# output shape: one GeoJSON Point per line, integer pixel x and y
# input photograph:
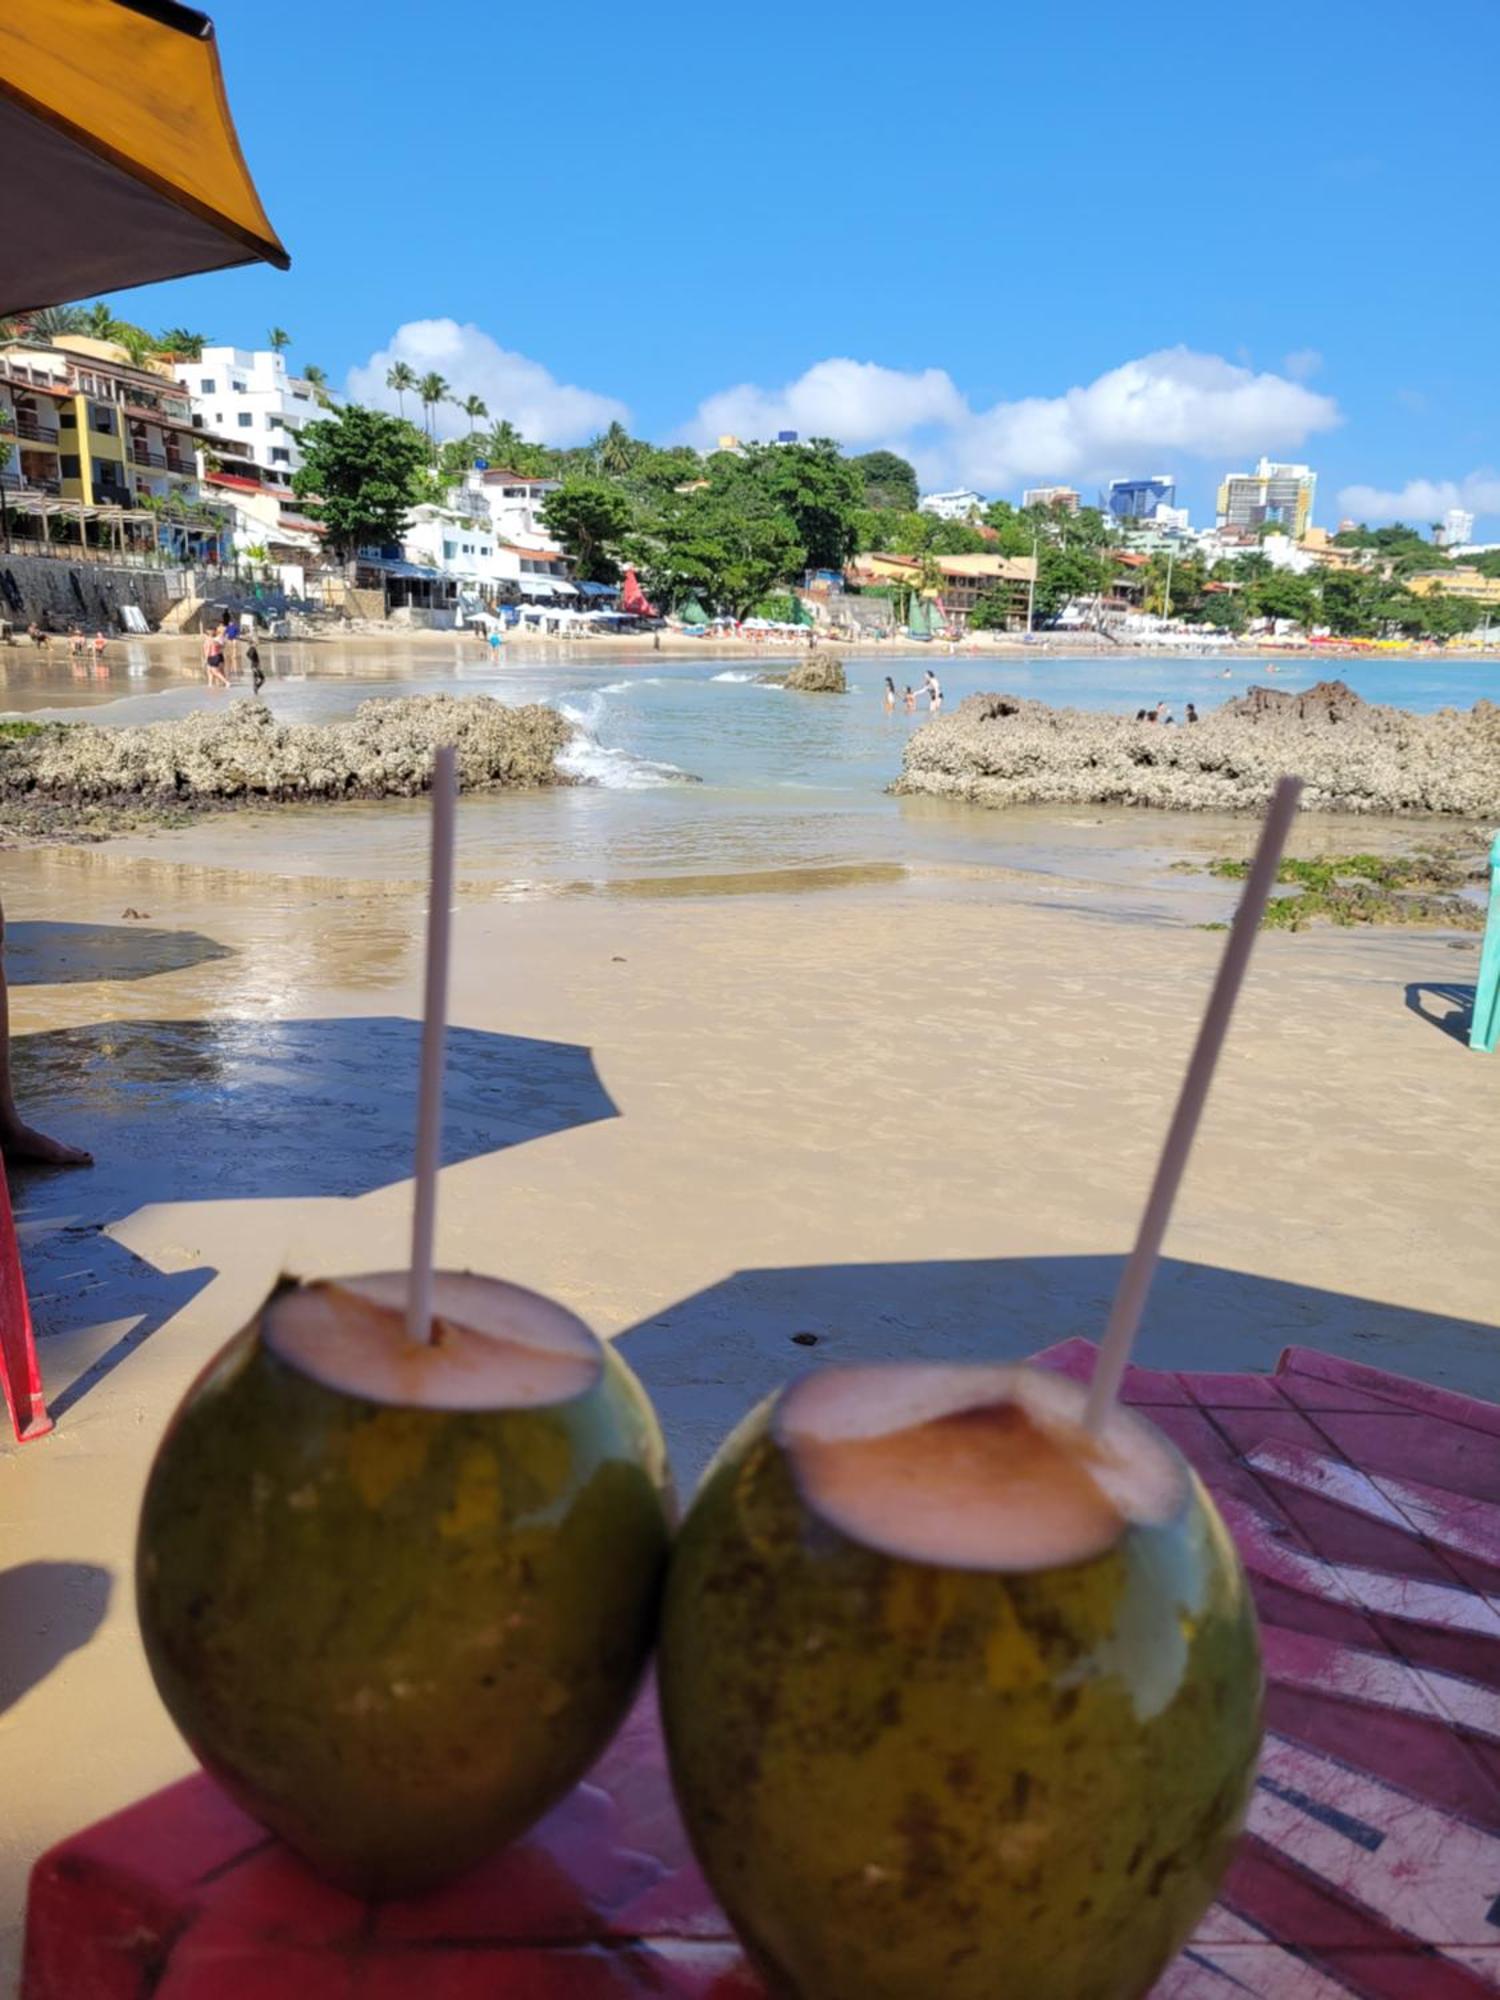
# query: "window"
{"type": "Point", "coordinates": [273, 423]}
{"type": "Point", "coordinates": [208, 386]}
{"type": "Point", "coordinates": [68, 418]}
{"type": "Point", "coordinates": [197, 421]}
{"type": "Point", "coordinates": [280, 456]}
{"type": "Point", "coordinates": [300, 394]}
{"type": "Point", "coordinates": [69, 464]}
{"type": "Point", "coordinates": [238, 388]}
{"type": "Point", "coordinates": [245, 419]}
{"type": "Point", "coordinates": [450, 550]}
{"type": "Point", "coordinates": [101, 419]}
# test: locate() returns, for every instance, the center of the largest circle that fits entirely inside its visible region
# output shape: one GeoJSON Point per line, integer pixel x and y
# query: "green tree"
{"type": "Point", "coordinates": [1283, 594]}
{"type": "Point", "coordinates": [402, 378]}
{"type": "Point", "coordinates": [1063, 574]}
{"type": "Point", "coordinates": [889, 480]}
{"type": "Point", "coordinates": [703, 545]}
{"type": "Point", "coordinates": [359, 475]}
{"type": "Point", "coordinates": [617, 451]}
{"type": "Point", "coordinates": [432, 390]}
{"type": "Point", "coordinates": [316, 379]}
{"type": "Point", "coordinates": [181, 344]}
{"type": "Point", "coordinates": [812, 486]}
{"type": "Point", "coordinates": [474, 408]}
{"type": "Point", "coordinates": [278, 340]}
{"type": "Point", "coordinates": [589, 517]}
{"type": "Point", "coordinates": [135, 340]}
{"type": "Point", "coordinates": [40, 329]}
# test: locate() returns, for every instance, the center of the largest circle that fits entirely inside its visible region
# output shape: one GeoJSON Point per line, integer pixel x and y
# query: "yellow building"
{"type": "Point", "coordinates": [1470, 584]}
{"type": "Point", "coordinates": [1272, 492]}
{"type": "Point", "coordinates": [89, 425]}
{"type": "Point", "coordinates": [963, 580]}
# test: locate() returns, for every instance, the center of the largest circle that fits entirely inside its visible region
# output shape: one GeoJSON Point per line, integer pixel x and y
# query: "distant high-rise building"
{"type": "Point", "coordinates": [1272, 493]}
{"type": "Point", "coordinates": [1456, 529]}
{"type": "Point", "coordinates": [1138, 499]}
{"type": "Point", "coordinates": [1051, 496]}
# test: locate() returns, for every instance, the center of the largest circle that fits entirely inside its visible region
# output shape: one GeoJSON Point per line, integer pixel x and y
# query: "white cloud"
{"type": "Point", "coordinates": [1171, 403]}
{"type": "Point", "coordinates": [474, 364]}
{"type": "Point", "coordinates": [1303, 363]}
{"type": "Point", "coordinates": [1422, 500]}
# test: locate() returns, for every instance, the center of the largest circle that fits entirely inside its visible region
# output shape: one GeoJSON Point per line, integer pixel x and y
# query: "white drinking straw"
{"type": "Point", "coordinates": [1135, 1280]}
{"type": "Point", "coordinates": [434, 1031]}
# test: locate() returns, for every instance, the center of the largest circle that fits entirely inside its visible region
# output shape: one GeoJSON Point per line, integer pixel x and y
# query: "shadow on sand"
{"type": "Point", "coordinates": [710, 1358]}
{"type": "Point", "coordinates": [1457, 1002]}
{"type": "Point", "coordinates": [183, 1111]}
{"type": "Point", "coordinates": [56, 954]}
{"type": "Point", "coordinates": [47, 1610]}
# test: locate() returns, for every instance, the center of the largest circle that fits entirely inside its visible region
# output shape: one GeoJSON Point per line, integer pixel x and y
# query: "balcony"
{"type": "Point", "coordinates": [177, 463]}
{"type": "Point", "coordinates": [34, 431]}
{"type": "Point", "coordinates": [145, 454]}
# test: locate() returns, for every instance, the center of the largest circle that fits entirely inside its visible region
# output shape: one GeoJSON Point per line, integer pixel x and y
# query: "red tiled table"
{"type": "Point", "coordinates": [1368, 1511]}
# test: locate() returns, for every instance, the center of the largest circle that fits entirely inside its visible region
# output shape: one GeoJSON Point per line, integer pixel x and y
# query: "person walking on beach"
{"type": "Point", "coordinates": [213, 658]}
{"type": "Point", "coordinates": [257, 673]}
{"type": "Point", "coordinates": [231, 646]}
{"type": "Point", "coordinates": [890, 696]}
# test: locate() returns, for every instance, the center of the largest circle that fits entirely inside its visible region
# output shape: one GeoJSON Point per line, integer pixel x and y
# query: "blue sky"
{"type": "Point", "coordinates": [1058, 243]}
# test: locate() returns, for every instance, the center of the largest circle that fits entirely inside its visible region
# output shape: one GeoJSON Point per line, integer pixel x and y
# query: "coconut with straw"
{"type": "Point", "coordinates": [958, 1665]}
{"type": "Point", "coordinates": [402, 1543]}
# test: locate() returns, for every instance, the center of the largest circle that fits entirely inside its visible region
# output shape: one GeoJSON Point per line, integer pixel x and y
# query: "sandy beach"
{"type": "Point", "coordinates": [916, 1116]}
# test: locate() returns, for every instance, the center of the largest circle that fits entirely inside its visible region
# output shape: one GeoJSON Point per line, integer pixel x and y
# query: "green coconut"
{"type": "Point", "coordinates": [959, 1701]}
{"type": "Point", "coordinates": [396, 1596]}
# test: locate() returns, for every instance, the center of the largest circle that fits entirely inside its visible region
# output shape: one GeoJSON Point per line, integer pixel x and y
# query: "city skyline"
{"type": "Point", "coordinates": [1024, 305]}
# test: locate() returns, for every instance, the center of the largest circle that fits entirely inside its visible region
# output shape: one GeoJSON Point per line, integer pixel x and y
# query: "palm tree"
{"type": "Point", "coordinates": [503, 444]}
{"type": "Point", "coordinates": [182, 344]}
{"type": "Point", "coordinates": [101, 321]}
{"type": "Point", "coordinates": [41, 328]}
{"type": "Point", "coordinates": [317, 380]}
{"type": "Point", "coordinates": [400, 378]}
{"type": "Point", "coordinates": [278, 339]}
{"type": "Point", "coordinates": [616, 451]}
{"type": "Point", "coordinates": [432, 390]}
{"type": "Point", "coordinates": [474, 408]}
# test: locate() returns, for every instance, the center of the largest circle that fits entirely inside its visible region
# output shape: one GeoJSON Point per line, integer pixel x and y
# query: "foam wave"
{"type": "Point", "coordinates": [594, 763]}
{"type": "Point", "coordinates": [733, 674]}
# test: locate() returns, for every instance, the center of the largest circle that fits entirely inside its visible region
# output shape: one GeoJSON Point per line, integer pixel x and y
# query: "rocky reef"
{"type": "Point", "coordinates": [75, 777]}
{"type": "Point", "coordinates": [816, 675]}
{"type": "Point", "coordinates": [1356, 757]}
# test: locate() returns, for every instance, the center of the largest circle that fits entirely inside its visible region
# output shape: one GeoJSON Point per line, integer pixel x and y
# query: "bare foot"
{"type": "Point", "coordinates": [22, 1145]}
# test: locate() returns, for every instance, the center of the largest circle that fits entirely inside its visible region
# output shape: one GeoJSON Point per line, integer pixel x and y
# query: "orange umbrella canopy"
{"type": "Point", "coordinates": [118, 155]}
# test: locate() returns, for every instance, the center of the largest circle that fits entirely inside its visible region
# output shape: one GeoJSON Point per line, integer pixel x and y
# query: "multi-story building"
{"type": "Point", "coordinates": [511, 500]}
{"type": "Point", "coordinates": [1139, 499]}
{"type": "Point", "coordinates": [251, 398]}
{"type": "Point", "coordinates": [89, 425]}
{"type": "Point", "coordinates": [1460, 581]}
{"type": "Point", "coordinates": [964, 580]}
{"type": "Point", "coordinates": [105, 449]}
{"type": "Point", "coordinates": [1052, 496]}
{"type": "Point", "coordinates": [1455, 529]}
{"type": "Point", "coordinates": [955, 506]}
{"type": "Point", "coordinates": [1272, 492]}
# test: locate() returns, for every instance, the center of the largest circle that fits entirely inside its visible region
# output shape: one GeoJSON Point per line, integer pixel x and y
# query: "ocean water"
{"type": "Point", "coordinates": [697, 775]}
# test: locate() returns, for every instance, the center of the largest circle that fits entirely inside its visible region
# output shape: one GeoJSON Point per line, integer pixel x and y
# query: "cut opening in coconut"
{"type": "Point", "coordinates": [967, 1467]}
{"type": "Point", "coordinates": [496, 1346]}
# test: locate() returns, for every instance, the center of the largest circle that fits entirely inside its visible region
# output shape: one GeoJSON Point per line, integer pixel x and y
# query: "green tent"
{"type": "Point", "coordinates": [923, 619]}
{"type": "Point", "coordinates": [692, 613]}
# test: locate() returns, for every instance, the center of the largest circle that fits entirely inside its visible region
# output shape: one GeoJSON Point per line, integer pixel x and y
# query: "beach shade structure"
{"type": "Point", "coordinates": [118, 151]}
{"type": "Point", "coordinates": [1484, 1028]}
{"type": "Point", "coordinates": [1367, 1510]}
{"type": "Point", "coordinates": [633, 599]}
{"type": "Point", "coordinates": [692, 613]}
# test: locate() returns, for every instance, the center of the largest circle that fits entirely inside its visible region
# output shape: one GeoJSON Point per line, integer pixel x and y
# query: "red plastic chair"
{"type": "Point", "coordinates": [20, 1373]}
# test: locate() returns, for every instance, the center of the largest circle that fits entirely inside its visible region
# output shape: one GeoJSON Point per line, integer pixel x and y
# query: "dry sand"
{"type": "Point", "coordinates": [904, 1119]}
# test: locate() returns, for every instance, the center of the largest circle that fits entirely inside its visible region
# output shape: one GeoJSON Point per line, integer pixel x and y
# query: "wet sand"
{"type": "Point", "coordinates": [905, 1112]}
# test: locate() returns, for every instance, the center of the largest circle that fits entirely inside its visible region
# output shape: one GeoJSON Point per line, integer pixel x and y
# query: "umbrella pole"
{"type": "Point", "coordinates": [1140, 1268]}
{"type": "Point", "coordinates": [419, 1325]}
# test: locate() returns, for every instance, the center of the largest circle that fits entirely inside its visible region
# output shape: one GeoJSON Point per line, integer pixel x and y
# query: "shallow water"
{"type": "Point", "coordinates": [701, 778]}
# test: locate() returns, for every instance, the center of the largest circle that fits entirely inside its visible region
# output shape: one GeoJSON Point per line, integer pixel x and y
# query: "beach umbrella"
{"type": "Point", "coordinates": [117, 152]}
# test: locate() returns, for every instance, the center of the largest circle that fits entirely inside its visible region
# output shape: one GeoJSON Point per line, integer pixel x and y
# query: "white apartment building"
{"type": "Point", "coordinates": [956, 506]}
{"type": "Point", "coordinates": [250, 397]}
{"type": "Point", "coordinates": [1457, 526]}
{"type": "Point", "coordinates": [512, 501]}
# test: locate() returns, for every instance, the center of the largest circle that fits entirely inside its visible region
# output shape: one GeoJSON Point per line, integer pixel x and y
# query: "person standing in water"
{"type": "Point", "coordinates": [213, 658]}
{"type": "Point", "coordinates": [932, 687]}
{"type": "Point", "coordinates": [910, 698]}
{"type": "Point", "coordinates": [890, 695]}
{"type": "Point", "coordinates": [257, 672]}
